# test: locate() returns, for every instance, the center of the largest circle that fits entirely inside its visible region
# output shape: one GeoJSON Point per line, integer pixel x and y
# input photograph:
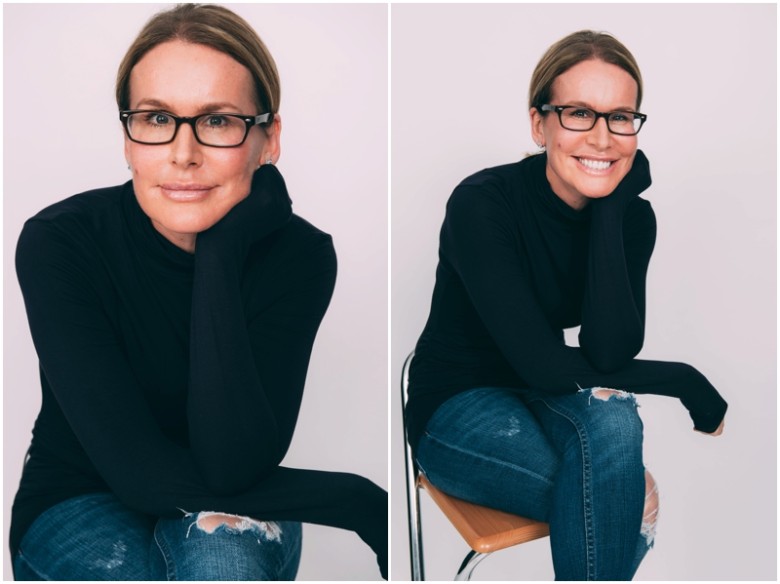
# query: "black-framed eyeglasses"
{"type": "Point", "coordinates": [213, 129]}
{"type": "Point", "coordinates": [582, 119]}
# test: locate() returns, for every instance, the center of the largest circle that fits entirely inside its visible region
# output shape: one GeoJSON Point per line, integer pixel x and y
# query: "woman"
{"type": "Point", "coordinates": [501, 411]}
{"type": "Point", "coordinates": [174, 317]}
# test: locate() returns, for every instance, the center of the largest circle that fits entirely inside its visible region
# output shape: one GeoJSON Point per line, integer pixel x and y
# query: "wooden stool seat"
{"type": "Point", "coordinates": [485, 530]}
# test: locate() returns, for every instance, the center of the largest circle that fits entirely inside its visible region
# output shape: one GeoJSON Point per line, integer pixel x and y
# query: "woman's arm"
{"type": "Point", "coordinates": [477, 239]}
{"type": "Point", "coordinates": [613, 311]}
{"type": "Point", "coordinates": [247, 370]}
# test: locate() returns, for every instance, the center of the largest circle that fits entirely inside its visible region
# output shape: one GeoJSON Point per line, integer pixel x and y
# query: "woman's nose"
{"type": "Point", "coordinates": [185, 149]}
{"type": "Point", "coordinates": [599, 134]}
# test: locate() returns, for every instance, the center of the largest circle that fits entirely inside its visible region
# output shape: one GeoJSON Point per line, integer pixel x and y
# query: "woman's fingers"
{"type": "Point", "coordinates": [717, 432]}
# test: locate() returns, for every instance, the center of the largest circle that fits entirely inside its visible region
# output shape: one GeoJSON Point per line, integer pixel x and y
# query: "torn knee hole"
{"type": "Point", "coordinates": [210, 521]}
{"type": "Point", "coordinates": [604, 393]}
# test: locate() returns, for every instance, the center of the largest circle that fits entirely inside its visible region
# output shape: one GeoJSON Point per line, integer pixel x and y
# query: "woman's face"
{"type": "Point", "coordinates": [185, 187]}
{"type": "Point", "coordinates": [575, 160]}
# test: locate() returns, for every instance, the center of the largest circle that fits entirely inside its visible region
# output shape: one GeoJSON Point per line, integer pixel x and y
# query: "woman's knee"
{"type": "Point", "coordinates": [221, 546]}
{"type": "Point", "coordinates": [90, 537]}
{"type": "Point", "coordinates": [613, 418]}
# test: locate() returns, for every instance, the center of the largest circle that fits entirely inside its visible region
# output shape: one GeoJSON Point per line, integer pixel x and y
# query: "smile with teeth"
{"type": "Point", "coordinates": [595, 164]}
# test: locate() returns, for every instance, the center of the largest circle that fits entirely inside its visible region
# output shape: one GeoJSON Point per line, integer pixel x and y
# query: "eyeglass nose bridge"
{"type": "Point", "coordinates": [596, 117]}
{"type": "Point", "coordinates": [190, 121]}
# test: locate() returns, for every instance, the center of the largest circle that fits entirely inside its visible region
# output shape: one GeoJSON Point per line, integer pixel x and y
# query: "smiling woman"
{"type": "Point", "coordinates": [587, 159]}
{"type": "Point", "coordinates": [501, 411]}
{"type": "Point", "coordinates": [174, 317]}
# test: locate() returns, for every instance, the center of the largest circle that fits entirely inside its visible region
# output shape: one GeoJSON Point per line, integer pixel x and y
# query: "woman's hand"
{"type": "Point", "coordinates": [635, 182]}
{"type": "Point", "coordinates": [265, 209]}
{"type": "Point", "coordinates": [717, 432]}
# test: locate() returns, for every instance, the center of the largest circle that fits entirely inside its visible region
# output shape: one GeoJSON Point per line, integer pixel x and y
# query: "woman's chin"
{"type": "Point", "coordinates": [596, 195]}
{"type": "Point", "coordinates": [182, 226]}
{"type": "Point", "coordinates": [597, 189]}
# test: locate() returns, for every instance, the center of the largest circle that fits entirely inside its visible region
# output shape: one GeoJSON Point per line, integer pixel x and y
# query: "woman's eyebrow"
{"type": "Point", "coordinates": [217, 106]}
{"type": "Point", "coordinates": [621, 108]}
{"type": "Point", "coordinates": [155, 103]}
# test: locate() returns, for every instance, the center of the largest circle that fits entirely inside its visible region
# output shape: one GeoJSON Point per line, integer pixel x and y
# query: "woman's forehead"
{"type": "Point", "coordinates": [190, 76]}
{"type": "Point", "coordinates": [596, 84]}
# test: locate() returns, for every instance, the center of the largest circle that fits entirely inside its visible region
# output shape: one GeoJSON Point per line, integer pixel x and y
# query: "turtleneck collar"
{"type": "Point", "coordinates": [542, 189]}
{"type": "Point", "coordinates": [150, 242]}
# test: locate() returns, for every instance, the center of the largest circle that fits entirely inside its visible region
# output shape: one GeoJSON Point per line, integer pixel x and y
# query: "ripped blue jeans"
{"type": "Point", "coordinates": [573, 461]}
{"type": "Point", "coordinates": [96, 537]}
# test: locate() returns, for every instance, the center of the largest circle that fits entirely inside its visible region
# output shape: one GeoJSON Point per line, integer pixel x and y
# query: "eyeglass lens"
{"type": "Point", "coordinates": [583, 119]}
{"type": "Point", "coordinates": [211, 129]}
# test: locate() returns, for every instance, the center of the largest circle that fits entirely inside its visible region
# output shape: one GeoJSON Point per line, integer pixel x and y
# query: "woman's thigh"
{"type": "Point", "coordinates": [485, 446]}
{"type": "Point", "coordinates": [91, 537]}
{"type": "Point", "coordinates": [600, 489]}
{"type": "Point", "coordinates": [214, 546]}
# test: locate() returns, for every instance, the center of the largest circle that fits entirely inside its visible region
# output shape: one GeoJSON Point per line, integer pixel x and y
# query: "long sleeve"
{"type": "Point", "coordinates": [247, 376]}
{"type": "Point", "coordinates": [613, 310]}
{"type": "Point", "coordinates": [478, 240]}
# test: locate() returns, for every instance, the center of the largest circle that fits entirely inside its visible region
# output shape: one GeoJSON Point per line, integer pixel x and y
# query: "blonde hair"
{"type": "Point", "coordinates": [576, 48]}
{"type": "Point", "coordinates": [212, 26]}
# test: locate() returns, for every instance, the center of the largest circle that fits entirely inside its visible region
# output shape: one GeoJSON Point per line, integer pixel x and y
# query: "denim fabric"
{"type": "Point", "coordinates": [95, 537]}
{"type": "Point", "coordinates": [574, 461]}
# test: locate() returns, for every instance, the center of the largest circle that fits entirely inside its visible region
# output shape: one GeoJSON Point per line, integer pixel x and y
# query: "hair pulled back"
{"type": "Point", "coordinates": [212, 26]}
{"type": "Point", "coordinates": [575, 48]}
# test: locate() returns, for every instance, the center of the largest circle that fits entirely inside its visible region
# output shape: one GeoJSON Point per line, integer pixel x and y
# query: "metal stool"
{"type": "Point", "coordinates": [484, 530]}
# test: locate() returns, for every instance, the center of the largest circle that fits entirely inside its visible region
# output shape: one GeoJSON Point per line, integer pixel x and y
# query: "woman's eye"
{"type": "Point", "coordinates": [580, 113]}
{"type": "Point", "coordinates": [156, 119]}
{"type": "Point", "coordinates": [216, 121]}
{"type": "Point", "coordinates": [621, 117]}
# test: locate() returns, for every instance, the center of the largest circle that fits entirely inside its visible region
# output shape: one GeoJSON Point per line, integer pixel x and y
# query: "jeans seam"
{"type": "Point", "coordinates": [289, 555]}
{"type": "Point", "coordinates": [493, 460]}
{"type": "Point", "coordinates": [21, 557]}
{"type": "Point", "coordinates": [590, 538]}
{"type": "Point", "coordinates": [170, 568]}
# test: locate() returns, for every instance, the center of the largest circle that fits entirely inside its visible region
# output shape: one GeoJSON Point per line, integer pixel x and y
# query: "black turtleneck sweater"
{"type": "Point", "coordinates": [174, 380]}
{"type": "Point", "coordinates": [517, 265]}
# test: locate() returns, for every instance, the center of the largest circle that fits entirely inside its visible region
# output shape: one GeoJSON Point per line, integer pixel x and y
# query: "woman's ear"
{"type": "Point", "coordinates": [537, 127]}
{"type": "Point", "coordinates": [272, 148]}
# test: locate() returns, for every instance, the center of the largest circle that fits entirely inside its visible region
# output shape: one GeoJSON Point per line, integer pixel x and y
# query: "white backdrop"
{"type": "Point", "coordinates": [59, 68]}
{"type": "Point", "coordinates": [460, 77]}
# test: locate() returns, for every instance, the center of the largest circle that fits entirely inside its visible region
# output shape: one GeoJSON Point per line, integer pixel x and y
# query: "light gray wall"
{"type": "Point", "coordinates": [62, 136]}
{"type": "Point", "coordinates": [460, 78]}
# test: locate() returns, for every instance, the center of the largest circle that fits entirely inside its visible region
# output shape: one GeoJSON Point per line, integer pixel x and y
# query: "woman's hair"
{"type": "Point", "coordinates": [576, 48]}
{"type": "Point", "coordinates": [211, 26]}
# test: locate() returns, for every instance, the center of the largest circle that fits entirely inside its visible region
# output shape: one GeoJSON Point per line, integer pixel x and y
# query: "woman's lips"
{"type": "Point", "coordinates": [185, 192]}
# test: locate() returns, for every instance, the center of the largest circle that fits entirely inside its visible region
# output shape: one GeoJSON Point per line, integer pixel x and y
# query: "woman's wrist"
{"type": "Point", "coordinates": [707, 409]}
{"type": "Point", "coordinates": [266, 208]}
{"type": "Point", "coordinates": [633, 184]}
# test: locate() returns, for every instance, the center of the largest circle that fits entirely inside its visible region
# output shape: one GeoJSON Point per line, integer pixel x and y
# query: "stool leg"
{"type": "Point", "coordinates": [415, 534]}
{"type": "Point", "coordinates": [412, 490]}
{"type": "Point", "coordinates": [469, 563]}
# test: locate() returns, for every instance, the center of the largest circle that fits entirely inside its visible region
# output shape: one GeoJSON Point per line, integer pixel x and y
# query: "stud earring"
{"type": "Point", "coordinates": [269, 160]}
